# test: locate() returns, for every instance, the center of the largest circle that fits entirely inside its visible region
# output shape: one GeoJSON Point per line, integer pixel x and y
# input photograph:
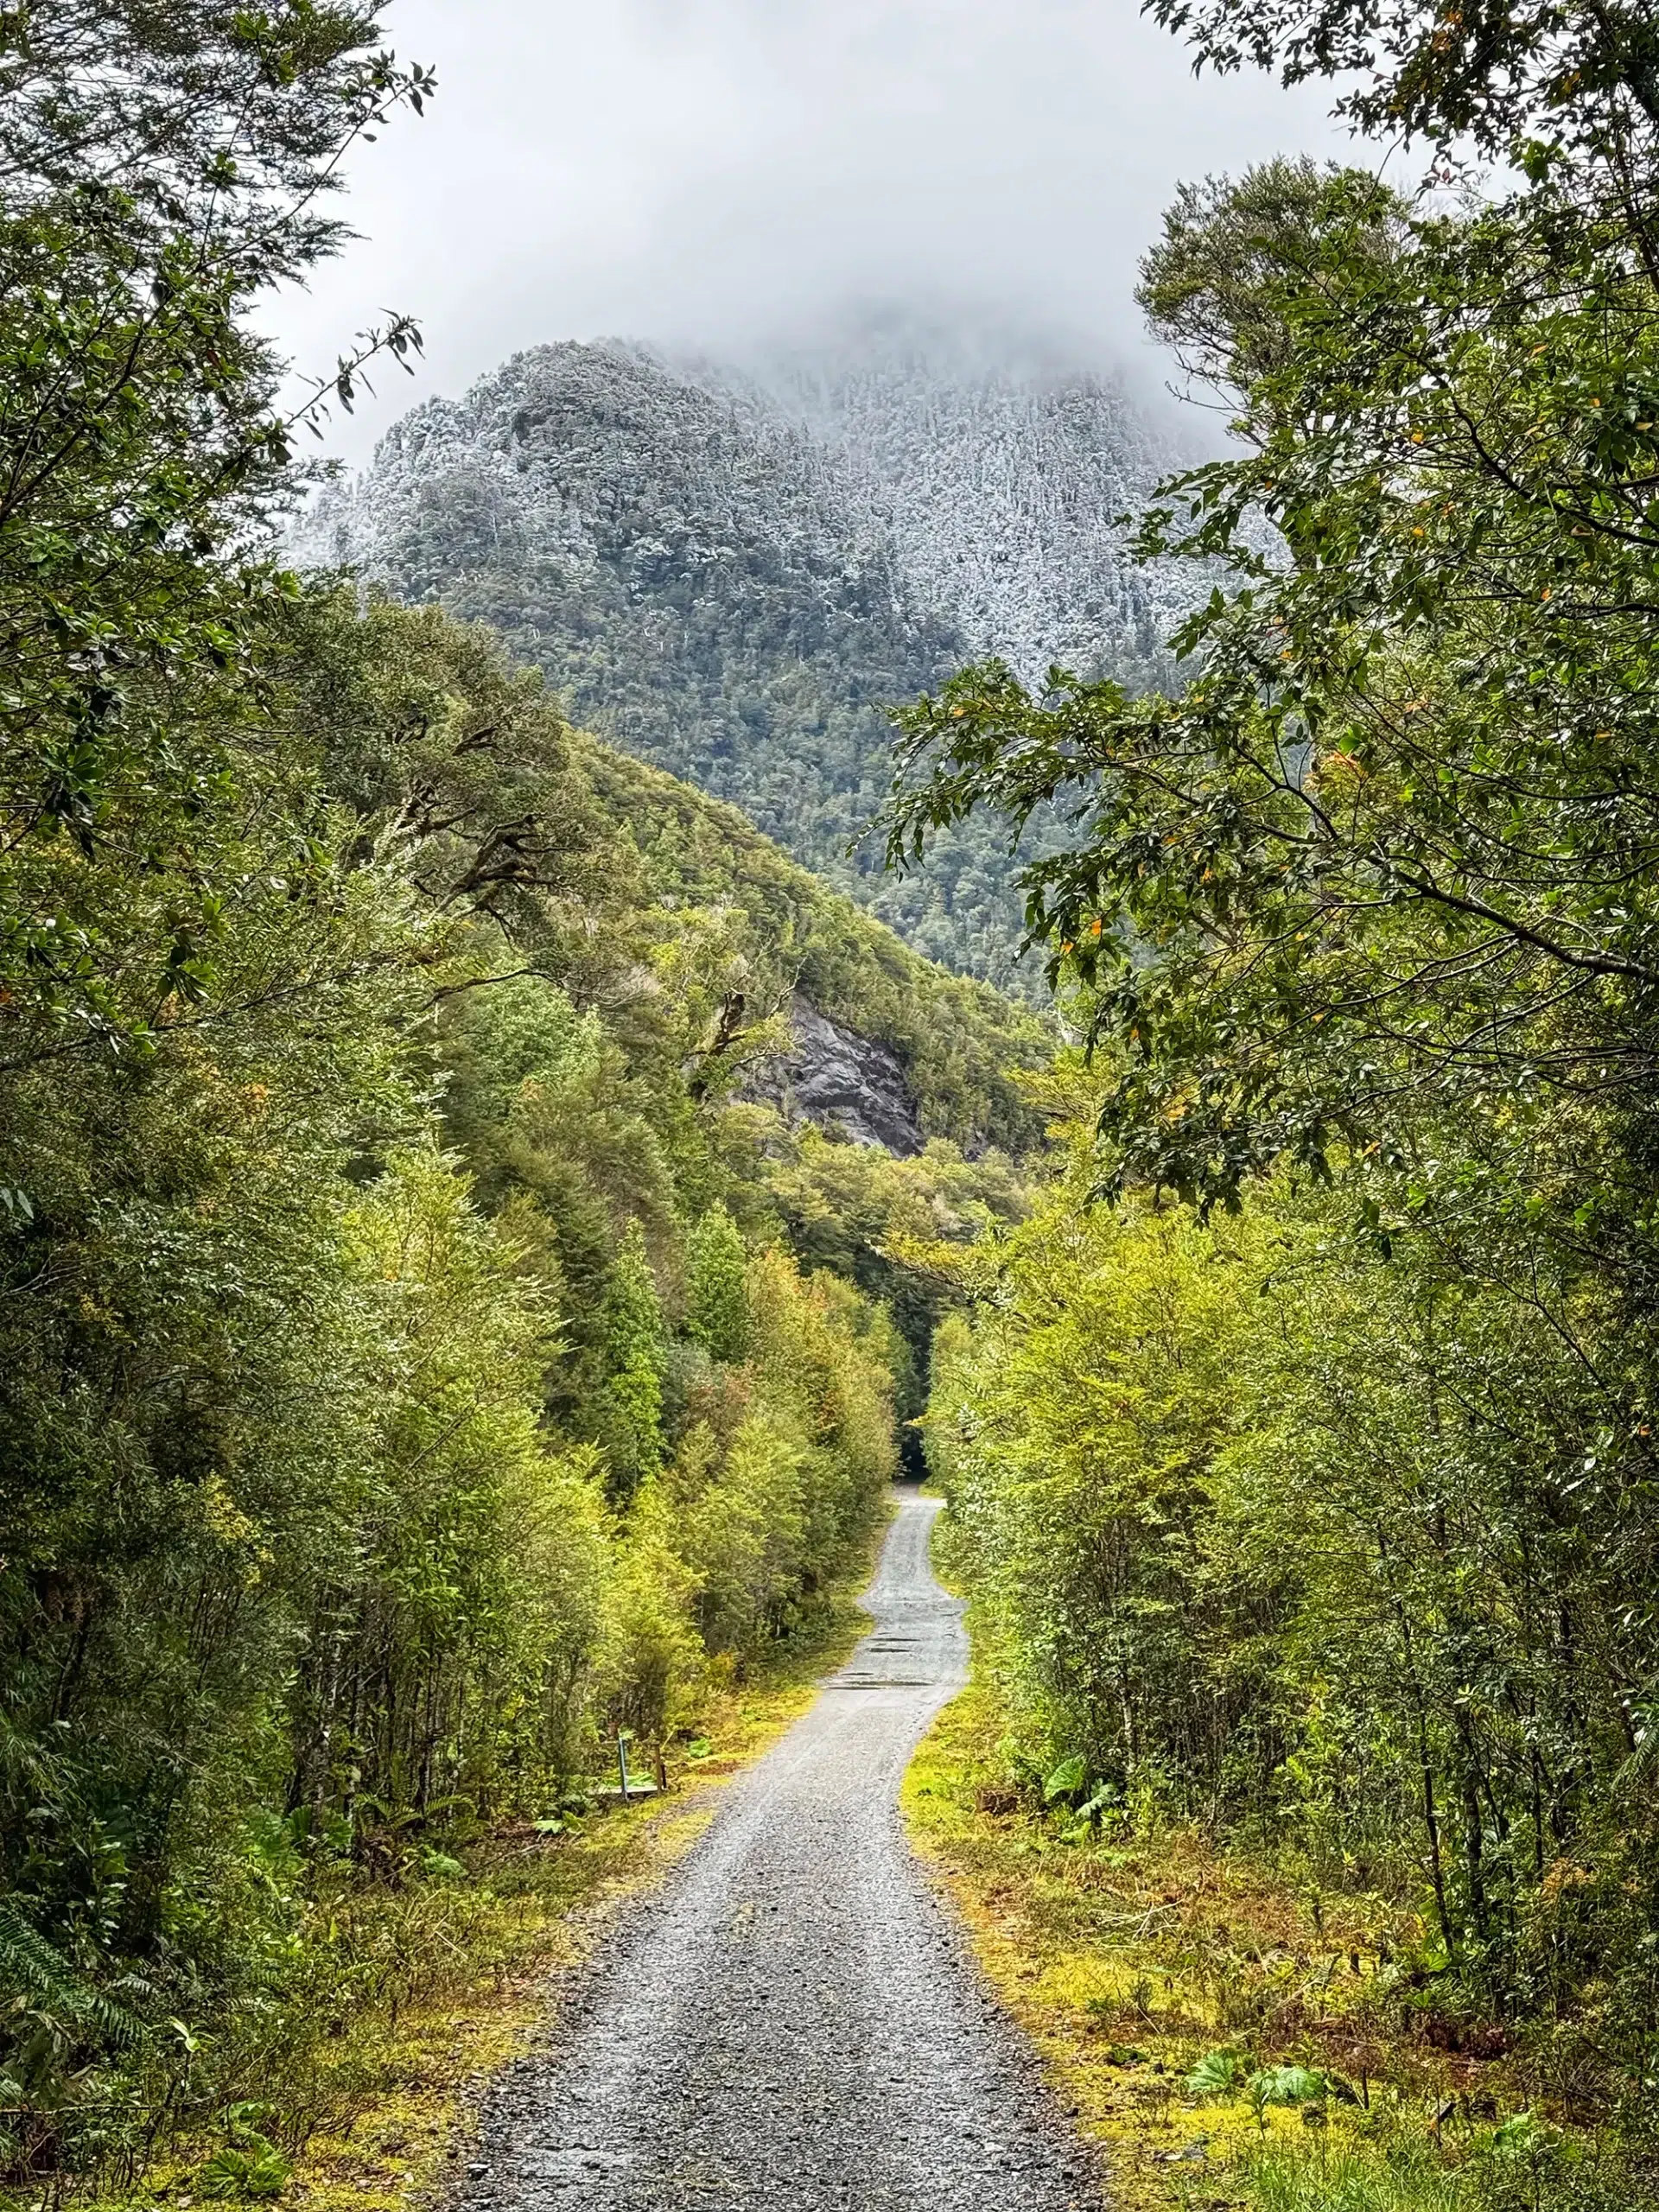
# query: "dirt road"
{"type": "Point", "coordinates": [794, 2021]}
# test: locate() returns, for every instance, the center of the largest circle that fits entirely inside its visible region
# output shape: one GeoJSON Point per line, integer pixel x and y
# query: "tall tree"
{"type": "Point", "coordinates": [632, 1414]}
{"type": "Point", "coordinates": [716, 1293]}
{"type": "Point", "coordinates": [1394, 840]}
{"type": "Point", "coordinates": [160, 167]}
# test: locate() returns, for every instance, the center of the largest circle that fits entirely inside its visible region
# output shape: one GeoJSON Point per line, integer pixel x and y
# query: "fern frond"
{"type": "Point", "coordinates": [39, 1970]}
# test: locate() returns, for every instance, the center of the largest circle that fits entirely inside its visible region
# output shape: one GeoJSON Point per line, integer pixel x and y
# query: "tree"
{"type": "Point", "coordinates": [632, 1414]}
{"type": "Point", "coordinates": [308, 1561]}
{"type": "Point", "coordinates": [1566, 77]}
{"type": "Point", "coordinates": [1368, 900]}
{"type": "Point", "coordinates": [160, 167]}
{"type": "Point", "coordinates": [717, 1296]}
{"type": "Point", "coordinates": [1393, 843]}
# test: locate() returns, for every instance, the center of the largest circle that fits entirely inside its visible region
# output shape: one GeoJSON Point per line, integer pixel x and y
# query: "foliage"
{"type": "Point", "coordinates": [389, 1414]}
{"type": "Point", "coordinates": [1327, 1523]}
{"type": "Point", "coordinates": [249, 2164]}
{"type": "Point", "coordinates": [159, 168]}
{"type": "Point", "coordinates": [1388, 852]}
{"type": "Point", "coordinates": [961, 1043]}
{"type": "Point", "coordinates": [1298, 2178]}
{"type": "Point", "coordinates": [716, 1295]}
{"type": "Point", "coordinates": [406, 1382]}
{"type": "Point", "coordinates": [632, 1415]}
{"type": "Point", "coordinates": [732, 578]}
{"type": "Point", "coordinates": [1547, 75]}
{"type": "Point", "coordinates": [777, 1473]}
{"type": "Point", "coordinates": [1319, 1546]}
{"type": "Point", "coordinates": [1523, 2165]}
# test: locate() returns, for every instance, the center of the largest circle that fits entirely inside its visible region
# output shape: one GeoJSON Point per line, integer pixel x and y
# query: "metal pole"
{"type": "Point", "coordinates": [622, 1762]}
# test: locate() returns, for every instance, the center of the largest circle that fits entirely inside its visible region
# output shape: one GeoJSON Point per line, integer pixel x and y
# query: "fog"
{"type": "Point", "coordinates": [716, 172]}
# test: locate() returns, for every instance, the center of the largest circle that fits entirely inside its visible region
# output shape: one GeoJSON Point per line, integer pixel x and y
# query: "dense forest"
{"type": "Point", "coordinates": [452, 1316]}
{"type": "Point", "coordinates": [735, 574]}
{"type": "Point", "coordinates": [432, 1346]}
{"type": "Point", "coordinates": [1302, 1454]}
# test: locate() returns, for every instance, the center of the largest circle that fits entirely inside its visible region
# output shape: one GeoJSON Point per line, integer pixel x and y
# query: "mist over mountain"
{"type": "Point", "coordinates": [1001, 469]}
{"type": "Point", "coordinates": [734, 568]}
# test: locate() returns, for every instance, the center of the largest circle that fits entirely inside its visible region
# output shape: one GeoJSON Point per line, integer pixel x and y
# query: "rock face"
{"type": "Point", "coordinates": [840, 1080]}
{"type": "Point", "coordinates": [734, 572]}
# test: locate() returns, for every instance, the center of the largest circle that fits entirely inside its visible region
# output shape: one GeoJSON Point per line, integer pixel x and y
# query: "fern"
{"type": "Point", "coordinates": [37, 1969]}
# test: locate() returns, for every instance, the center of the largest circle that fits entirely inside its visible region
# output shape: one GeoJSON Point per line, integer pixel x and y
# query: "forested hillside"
{"type": "Point", "coordinates": [449, 1319]}
{"type": "Point", "coordinates": [735, 573]}
{"type": "Point", "coordinates": [427, 1351]}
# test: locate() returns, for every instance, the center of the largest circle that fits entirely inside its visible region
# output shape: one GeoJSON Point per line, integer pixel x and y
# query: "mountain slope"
{"type": "Point", "coordinates": [690, 936]}
{"type": "Point", "coordinates": [808, 957]}
{"type": "Point", "coordinates": [1002, 471]}
{"type": "Point", "coordinates": [731, 574]}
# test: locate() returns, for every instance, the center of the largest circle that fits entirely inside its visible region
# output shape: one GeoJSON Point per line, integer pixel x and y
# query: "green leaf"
{"type": "Point", "coordinates": [1218, 2074]}
{"type": "Point", "coordinates": [1070, 1775]}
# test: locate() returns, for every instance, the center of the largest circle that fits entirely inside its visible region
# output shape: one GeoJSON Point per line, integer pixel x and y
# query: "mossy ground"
{"type": "Point", "coordinates": [390, 2104]}
{"type": "Point", "coordinates": [1127, 1958]}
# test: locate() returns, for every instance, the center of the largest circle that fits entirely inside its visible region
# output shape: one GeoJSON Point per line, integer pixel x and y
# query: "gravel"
{"type": "Point", "coordinates": [794, 2020]}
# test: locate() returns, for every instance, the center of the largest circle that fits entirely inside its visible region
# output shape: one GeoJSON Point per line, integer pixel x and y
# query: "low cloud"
{"type": "Point", "coordinates": [709, 172]}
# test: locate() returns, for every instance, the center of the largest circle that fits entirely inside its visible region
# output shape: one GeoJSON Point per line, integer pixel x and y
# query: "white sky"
{"type": "Point", "coordinates": [700, 171]}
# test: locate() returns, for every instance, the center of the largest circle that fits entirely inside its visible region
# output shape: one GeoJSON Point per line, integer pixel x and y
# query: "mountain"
{"type": "Point", "coordinates": [1000, 471]}
{"type": "Point", "coordinates": [731, 571]}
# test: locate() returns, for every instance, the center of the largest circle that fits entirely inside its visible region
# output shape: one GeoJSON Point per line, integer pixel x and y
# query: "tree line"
{"type": "Point", "coordinates": [1303, 1452]}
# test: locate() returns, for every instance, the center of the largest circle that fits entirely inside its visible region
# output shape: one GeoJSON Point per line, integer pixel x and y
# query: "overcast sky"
{"type": "Point", "coordinates": [705, 171]}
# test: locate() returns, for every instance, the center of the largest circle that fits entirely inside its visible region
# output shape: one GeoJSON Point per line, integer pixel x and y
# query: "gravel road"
{"type": "Point", "coordinates": [793, 2021]}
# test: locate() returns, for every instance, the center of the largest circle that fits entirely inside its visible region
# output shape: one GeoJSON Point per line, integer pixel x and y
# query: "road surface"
{"type": "Point", "coordinates": [792, 2022]}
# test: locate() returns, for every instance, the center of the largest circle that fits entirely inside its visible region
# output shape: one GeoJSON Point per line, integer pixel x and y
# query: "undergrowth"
{"type": "Point", "coordinates": [356, 2082]}
{"type": "Point", "coordinates": [1226, 2041]}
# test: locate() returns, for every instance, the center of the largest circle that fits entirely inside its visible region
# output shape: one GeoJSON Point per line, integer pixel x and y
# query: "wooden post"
{"type": "Point", "coordinates": [622, 1761]}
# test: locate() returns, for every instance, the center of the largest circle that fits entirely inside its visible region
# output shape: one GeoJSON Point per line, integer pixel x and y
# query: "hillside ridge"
{"type": "Point", "coordinates": [734, 571]}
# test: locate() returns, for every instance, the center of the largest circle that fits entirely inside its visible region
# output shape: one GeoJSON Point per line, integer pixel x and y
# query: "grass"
{"type": "Point", "coordinates": [1129, 1957]}
{"type": "Point", "coordinates": [377, 2113]}
{"type": "Point", "coordinates": [1366, 2180]}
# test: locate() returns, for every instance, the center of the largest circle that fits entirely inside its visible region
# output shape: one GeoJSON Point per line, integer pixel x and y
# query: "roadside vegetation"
{"type": "Point", "coordinates": [423, 1367]}
{"type": "Point", "coordinates": [1229, 2038]}
{"type": "Point", "coordinates": [1300, 1452]}
{"type": "Point", "coordinates": [428, 1364]}
{"type": "Point", "coordinates": [417, 1992]}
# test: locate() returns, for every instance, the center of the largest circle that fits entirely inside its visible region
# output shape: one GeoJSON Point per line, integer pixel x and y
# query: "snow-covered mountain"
{"type": "Point", "coordinates": [1002, 471]}
{"type": "Point", "coordinates": [733, 568]}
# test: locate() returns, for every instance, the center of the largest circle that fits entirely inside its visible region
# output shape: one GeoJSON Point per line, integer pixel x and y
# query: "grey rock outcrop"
{"type": "Point", "coordinates": [839, 1080]}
